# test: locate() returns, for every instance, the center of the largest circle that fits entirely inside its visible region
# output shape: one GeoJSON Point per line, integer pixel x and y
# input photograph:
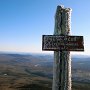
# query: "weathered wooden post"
{"type": "Point", "coordinates": [62, 59]}
{"type": "Point", "coordinates": [62, 43]}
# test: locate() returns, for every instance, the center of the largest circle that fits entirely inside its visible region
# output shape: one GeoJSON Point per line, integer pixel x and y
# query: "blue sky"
{"type": "Point", "coordinates": [23, 22]}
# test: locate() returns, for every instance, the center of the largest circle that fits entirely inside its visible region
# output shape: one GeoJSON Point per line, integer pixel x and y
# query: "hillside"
{"type": "Point", "coordinates": [34, 72]}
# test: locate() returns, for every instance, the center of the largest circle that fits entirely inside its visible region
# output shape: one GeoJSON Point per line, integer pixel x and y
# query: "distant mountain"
{"type": "Point", "coordinates": [29, 66]}
{"type": "Point", "coordinates": [39, 59]}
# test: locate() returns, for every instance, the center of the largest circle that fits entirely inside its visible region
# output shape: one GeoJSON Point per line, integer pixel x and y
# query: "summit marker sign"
{"type": "Point", "coordinates": [65, 43]}
{"type": "Point", "coordinates": [62, 43]}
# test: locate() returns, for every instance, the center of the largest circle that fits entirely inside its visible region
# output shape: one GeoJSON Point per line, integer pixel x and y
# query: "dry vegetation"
{"type": "Point", "coordinates": [26, 75]}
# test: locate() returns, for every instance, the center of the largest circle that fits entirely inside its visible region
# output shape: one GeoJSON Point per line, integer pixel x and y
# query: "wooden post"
{"type": "Point", "coordinates": [62, 43]}
{"type": "Point", "coordinates": [62, 59]}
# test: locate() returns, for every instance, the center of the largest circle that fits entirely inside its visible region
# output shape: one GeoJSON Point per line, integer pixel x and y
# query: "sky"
{"type": "Point", "coordinates": [23, 22]}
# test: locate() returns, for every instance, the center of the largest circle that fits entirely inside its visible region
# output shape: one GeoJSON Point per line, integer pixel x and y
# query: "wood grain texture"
{"type": "Point", "coordinates": [62, 59]}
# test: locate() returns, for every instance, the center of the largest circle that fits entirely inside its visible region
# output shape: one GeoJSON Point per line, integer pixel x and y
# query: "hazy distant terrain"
{"type": "Point", "coordinates": [34, 72]}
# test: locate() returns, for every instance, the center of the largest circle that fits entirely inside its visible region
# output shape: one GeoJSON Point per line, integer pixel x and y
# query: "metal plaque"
{"type": "Point", "coordinates": [64, 43]}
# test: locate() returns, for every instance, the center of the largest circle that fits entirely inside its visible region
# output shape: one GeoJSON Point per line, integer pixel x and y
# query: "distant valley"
{"type": "Point", "coordinates": [30, 71]}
